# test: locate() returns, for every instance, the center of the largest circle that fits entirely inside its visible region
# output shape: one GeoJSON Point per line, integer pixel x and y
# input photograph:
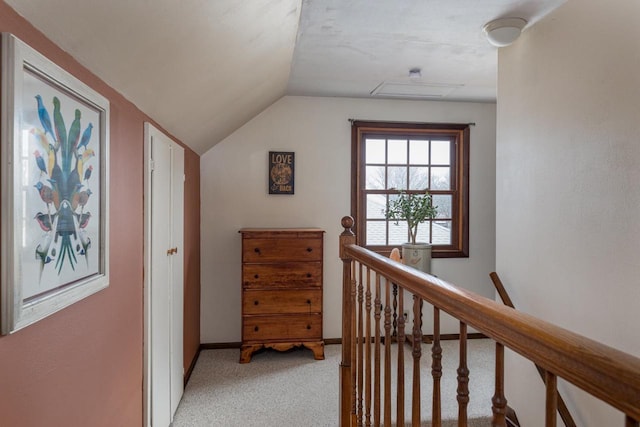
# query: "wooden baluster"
{"type": "Point", "coordinates": [463, 378]}
{"type": "Point", "coordinates": [395, 256]}
{"type": "Point", "coordinates": [401, 340]}
{"type": "Point", "coordinates": [416, 353]}
{"type": "Point", "coordinates": [551, 382]}
{"type": "Point", "coordinates": [346, 238]}
{"type": "Point", "coordinates": [354, 341]}
{"type": "Point", "coordinates": [499, 401]}
{"type": "Point", "coordinates": [387, 353]}
{"type": "Point", "coordinates": [395, 311]}
{"type": "Point", "coordinates": [376, 381]}
{"type": "Point", "coordinates": [436, 369]}
{"type": "Point", "coordinates": [367, 365]}
{"type": "Point", "coordinates": [423, 336]}
{"type": "Point", "coordinates": [630, 422]}
{"type": "Point", "coordinates": [360, 343]}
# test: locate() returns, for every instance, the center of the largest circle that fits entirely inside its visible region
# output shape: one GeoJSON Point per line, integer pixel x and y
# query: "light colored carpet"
{"type": "Point", "coordinates": [291, 389]}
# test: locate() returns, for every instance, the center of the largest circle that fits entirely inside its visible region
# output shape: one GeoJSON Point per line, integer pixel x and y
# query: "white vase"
{"type": "Point", "coordinates": [417, 256]}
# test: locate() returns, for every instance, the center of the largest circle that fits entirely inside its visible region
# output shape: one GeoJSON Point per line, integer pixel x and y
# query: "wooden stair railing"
{"type": "Point", "coordinates": [606, 373]}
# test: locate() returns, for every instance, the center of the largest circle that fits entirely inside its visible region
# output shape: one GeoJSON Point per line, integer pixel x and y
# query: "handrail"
{"type": "Point", "coordinates": [606, 373]}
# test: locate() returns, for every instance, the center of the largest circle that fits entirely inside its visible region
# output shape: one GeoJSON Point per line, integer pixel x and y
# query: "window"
{"type": "Point", "coordinates": [412, 157]}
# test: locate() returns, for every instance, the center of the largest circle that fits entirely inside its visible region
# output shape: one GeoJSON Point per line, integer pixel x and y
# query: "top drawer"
{"type": "Point", "coordinates": [281, 249]}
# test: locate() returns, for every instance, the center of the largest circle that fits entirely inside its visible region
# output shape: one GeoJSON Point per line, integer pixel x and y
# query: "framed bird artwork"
{"type": "Point", "coordinates": [54, 170]}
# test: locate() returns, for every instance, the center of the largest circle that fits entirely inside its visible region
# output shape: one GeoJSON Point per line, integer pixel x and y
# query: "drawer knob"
{"type": "Point", "coordinates": [308, 326]}
{"type": "Point", "coordinates": [308, 275]}
{"type": "Point", "coordinates": [257, 250]}
{"type": "Point", "coordinates": [308, 301]}
{"type": "Point", "coordinates": [256, 329]}
{"type": "Point", "coordinates": [255, 276]}
{"type": "Point", "coordinates": [256, 302]}
{"type": "Point", "coordinates": [309, 249]}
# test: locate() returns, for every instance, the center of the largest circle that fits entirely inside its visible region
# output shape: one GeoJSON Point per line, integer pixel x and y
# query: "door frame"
{"type": "Point", "coordinates": [150, 131]}
{"type": "Point", "coordinates": [146, 383]}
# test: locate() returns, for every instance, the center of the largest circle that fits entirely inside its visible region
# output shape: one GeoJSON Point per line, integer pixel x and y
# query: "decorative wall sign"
{"type": "Point", "coordinates": [54, 187]}
{"type": "Point", "coordinates": [281, 172]}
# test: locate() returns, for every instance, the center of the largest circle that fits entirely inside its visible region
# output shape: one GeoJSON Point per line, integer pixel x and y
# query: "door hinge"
{"type": "Point", "coordinates": [152, 164]}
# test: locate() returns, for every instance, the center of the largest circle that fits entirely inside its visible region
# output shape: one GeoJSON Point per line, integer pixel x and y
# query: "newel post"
{"type": "Point", "coordinates": [347, 406]}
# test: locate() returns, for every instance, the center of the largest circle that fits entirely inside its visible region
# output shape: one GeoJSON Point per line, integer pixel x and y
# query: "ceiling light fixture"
{"type": "Point", "coordinates": [504, 31]}
{"type": "Point", "coordinates": [415, 73]}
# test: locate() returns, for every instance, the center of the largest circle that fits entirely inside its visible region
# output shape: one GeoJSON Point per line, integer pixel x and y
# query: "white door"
{"type": "Point", "coordinates": [164, 217]}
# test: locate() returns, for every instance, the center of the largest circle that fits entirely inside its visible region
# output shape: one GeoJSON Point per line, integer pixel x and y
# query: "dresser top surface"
{"type": "Point", "coordinates": [276, 230]}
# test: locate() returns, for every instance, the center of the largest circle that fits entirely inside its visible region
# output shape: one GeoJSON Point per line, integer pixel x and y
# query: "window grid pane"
{"type": "Point", "coordinates": [418, 178]}
{"type": "Point", "coordinates": [398, 234]}
{"type": "Point", "coordinates": [375, 178]}
{"type": "Point", "coordinates": [376, 233]}
{"type": "Point", "coordinates": [443, 202]}
{"type": "Point", "coordinates": [440, 152]}
{"type": "Point", "coordinates": [397, 152]}
{"type": "Point", "coordinates": [375, 151]}
{"type": "Point", "coordinates": [441, 232]}
{"type": "Point", "coordinates": [424, 232]}
{"type": "Point", "coordinates": [419, 152]}
{"type": "Point", "coordinates": [397, 177]}
{"type": "Point", "coordinates": [376, 206]}
{"type": "Point", "coordinates": [440, 178]}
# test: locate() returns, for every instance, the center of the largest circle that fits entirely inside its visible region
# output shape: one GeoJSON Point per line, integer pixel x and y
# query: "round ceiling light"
{"type": "Point", "coordinates": [504, 31]}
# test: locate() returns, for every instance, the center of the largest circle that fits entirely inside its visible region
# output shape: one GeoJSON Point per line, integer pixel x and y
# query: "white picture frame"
{"type": "Point", "coordinates": [55, 188]}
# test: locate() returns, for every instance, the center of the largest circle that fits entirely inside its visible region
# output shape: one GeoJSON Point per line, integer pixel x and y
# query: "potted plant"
{"type": "Point", "coordinates": [415, 209]}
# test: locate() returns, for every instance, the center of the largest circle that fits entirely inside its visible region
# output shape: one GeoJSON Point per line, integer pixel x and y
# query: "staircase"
{"type": "Point", "coordinates": [367, 366]}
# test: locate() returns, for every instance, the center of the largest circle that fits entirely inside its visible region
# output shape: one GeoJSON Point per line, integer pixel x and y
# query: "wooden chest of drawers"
{"type": "Point", "coordinates": [281, 290]}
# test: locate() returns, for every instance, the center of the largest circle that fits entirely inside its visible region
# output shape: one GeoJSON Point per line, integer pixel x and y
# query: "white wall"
{"type": "Point", "coordinates": [234, 195]}
{"type": "Point", "coordinates": [568, 200]}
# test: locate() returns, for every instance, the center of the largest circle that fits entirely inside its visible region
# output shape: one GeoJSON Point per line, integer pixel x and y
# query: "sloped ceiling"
{"type": "Point", "coordinates": [203, 68]}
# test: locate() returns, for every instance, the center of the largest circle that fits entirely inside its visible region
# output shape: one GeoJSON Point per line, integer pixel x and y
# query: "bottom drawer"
{"type": "Point", "coordinates": [282, 328]}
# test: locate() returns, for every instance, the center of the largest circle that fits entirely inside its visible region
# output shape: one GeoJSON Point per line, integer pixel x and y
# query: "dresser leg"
{"type": "Point", "coordinates": [317, 348]}
{"type": "Point", "coordinates": [246, 351]}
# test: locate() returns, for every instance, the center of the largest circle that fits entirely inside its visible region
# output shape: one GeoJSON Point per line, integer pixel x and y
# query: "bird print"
{"type": "Point", "coordinates": [46, 193]}
{"type": "Point", "coordinates": [42, 139]}
{"type": "Point", "coordinates": [85, 241]}
{"type": "Point", "coordinates": [43, 251]}
{"type": "Point", "coordinates": [86, 136]}
{"type": "Point", "coordinates": [40, 163]}
{"type": "Point", "coordinates": [64, 157]}
{"type": "Point", "coordinates": [76, 197]}
{"type": "Point", "coordinates": [74, 131]}
{"type": "Point", "coordinates": [43, 115]}
{"type": "Point", "coordinates": [51, 160]}
{"type": "Point", "coordinates": [83, 198]}
{"type": "Point", "coordinates": [81, 159]}
{"type": "Point", "coordinates": [44, 221]}
{"type": "Point", "coordinates": [87, 154]}
{"type": "Point", "coordinates": [87, 173]}
{"type": "Point", "coordinates": [61, 130]}
{"type": "Point", "coordinates": [48, 196]}
{"type": "Point", "coordinates": [83, 219]}
{"type": "Point", "coordinates": [56, 193]}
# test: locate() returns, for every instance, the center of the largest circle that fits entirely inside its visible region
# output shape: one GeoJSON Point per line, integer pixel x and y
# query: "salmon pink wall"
{"type": "Point", "coordinates": [191, 258]}
{"type": "Point", "coordinates": [83, 366]}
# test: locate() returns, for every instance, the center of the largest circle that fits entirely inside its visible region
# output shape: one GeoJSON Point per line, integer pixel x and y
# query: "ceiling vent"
{"type": "Point", "coordinates": [414, 90]}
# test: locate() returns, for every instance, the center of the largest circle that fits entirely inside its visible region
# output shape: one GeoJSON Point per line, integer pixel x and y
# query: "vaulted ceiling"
{"type": "Point", "coordinates": [203, 68]}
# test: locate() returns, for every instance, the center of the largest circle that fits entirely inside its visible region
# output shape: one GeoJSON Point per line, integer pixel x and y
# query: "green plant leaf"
{"type": "Point", "coordinates": [413, 208]}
